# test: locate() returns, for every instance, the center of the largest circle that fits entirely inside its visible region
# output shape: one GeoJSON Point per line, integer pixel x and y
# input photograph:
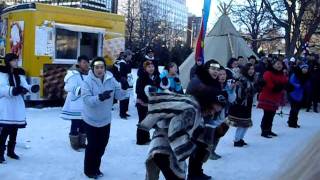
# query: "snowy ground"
{"type": "Point", "coordinates": [50, 156]}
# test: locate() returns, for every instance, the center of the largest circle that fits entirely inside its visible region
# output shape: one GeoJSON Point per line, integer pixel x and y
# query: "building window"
{"type": "Point", "coordinates": [66, 44]}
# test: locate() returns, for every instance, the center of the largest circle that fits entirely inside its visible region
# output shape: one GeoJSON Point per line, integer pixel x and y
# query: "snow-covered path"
{"type": "Point", "coordinates": [50, 156]}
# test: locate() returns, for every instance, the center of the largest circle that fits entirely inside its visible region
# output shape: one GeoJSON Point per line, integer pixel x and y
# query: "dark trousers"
{"type": "Point", "coordinates": [97, 141]}
{"type": "Point", "coordinates": [124, 107]}
{"type": "Point", "coordinates": [198, 156]}
{"type": "Point", "coordinates": [267, 120]}
{"type": "Point", "coordinates": [163, 163]}
{"type": "Point", "coordinates": [142, 135]}
{"type": "Point", "coordinates": [294, 111]}
{"type": "Point", "coordinates": [314, 100]}
{"type": "Point", "coordinates": [12, 133]}
{"type": "Point", "coordinates": [77, 127]}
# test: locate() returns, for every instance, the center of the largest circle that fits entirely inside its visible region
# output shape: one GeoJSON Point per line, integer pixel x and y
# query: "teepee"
{"type": "Point", "coordinates": [222, 43]}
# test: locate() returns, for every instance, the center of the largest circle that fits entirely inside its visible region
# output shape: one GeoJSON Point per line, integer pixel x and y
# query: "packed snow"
{"type": "Point", "coordinates": [46, 153]}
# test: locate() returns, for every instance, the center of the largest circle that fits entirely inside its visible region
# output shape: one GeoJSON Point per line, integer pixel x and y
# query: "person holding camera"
{"type": "Point", "coordinates": [72, 107]}
{"type": "Point", "coordinates": [98, 91]}
{"type": "Point", "coordinates": [13, 86]}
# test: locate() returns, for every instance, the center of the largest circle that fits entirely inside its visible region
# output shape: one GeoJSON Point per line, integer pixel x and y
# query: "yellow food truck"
{"type": "Point", "coordinates": [48, 39]}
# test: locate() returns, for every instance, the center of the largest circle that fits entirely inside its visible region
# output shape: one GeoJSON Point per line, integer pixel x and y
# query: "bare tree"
{"type": "Point", "coordinates": [255, 19]}
{"type": "Point", "coordinates": [291, 16]}
{"type": "Point", "coordinates": [132, 14]}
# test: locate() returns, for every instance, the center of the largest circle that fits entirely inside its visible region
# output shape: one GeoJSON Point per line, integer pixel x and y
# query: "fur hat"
{"type": "Point", "coordinates": [147, 63]}
{"type": "Point", "coordinates": [9, 57]}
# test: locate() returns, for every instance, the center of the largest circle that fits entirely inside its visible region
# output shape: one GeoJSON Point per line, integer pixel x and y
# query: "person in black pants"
{"type": "Point", "coordinates": [124, 68]}
{"type": "Point", "coordinates": [267, 120]}
{"type": "Point", "coordinates": [300, 81]}
{"type": "Point", "coordinates": [148, 77]}
{"type": "Point", "coordinates": [163, 163]}
{"type": "Point", "coordinates": [97, 141]}
{"type": "Point", "coordinates": [98, 91]}
{"type": "Point", "coordinates": [12, 133]}
{"type": "Point", "coordinates": [13, 85]}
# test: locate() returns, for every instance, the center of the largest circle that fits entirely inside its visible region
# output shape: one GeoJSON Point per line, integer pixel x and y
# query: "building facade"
{"type": "Point", "coordinates": [97, 5]}
{"type": "Point", "coordinates": [193, 30]}
{"type": "Point", "coordinates": [171, 14]}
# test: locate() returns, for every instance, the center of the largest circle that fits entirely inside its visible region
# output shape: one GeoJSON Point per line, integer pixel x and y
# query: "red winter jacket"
{"type": "Point", "coordinates": [272, 93]}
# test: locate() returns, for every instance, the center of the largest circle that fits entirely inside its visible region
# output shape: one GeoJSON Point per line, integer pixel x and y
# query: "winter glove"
{"type": "Point", "coordinates": [16, 91]}
{"type": "Point", "coordinates": [124, 83]}
{"type": "Point", "coordinates": [19, 91]}
{"type": "Point", "coordinates": [105, 95]}
{"type": "Point", "coordinates": [35, 88]}
{"type": "Point", "coordinates": [152, 89]}
{"type": "Point", "coordinates": [177, 80]}
{"type": "Point", "coordinates": [165, 81]}
{"type": "Point", "coordinates": [278, 88]}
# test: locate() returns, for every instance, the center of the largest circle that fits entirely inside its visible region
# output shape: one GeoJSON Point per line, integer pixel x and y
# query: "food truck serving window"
{"type": "Point", "coordinates": [72, 41]}
{"type": "Point", "coordinates": [66, 44]}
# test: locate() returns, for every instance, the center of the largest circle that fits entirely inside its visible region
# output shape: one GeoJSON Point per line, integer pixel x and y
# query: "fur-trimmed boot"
{"type": "Point", "coordinates": [2, 159]}
{"type": "Point", "coordinates": [10, 150]}
{"type": "Point", "coordinates": [74, 142]}
{"type": "Point", "coordinates": [82, 140]}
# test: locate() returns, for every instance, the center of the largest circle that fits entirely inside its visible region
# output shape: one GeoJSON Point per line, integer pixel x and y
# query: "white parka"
{"type": "Point", "coordinates": [13, 110]}
{"type": "Point", "coordinates": [74, 104]}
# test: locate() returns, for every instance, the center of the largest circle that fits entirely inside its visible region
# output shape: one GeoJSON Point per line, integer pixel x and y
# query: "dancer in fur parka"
{"type": "Point", "coordinates": [240, 111]}
{"type": "Point", "coordinates": [179, 129]}
{"type": "Point", "coordinates": [13, 86]}
{"type": "Point", "coordinates": [73, 105]}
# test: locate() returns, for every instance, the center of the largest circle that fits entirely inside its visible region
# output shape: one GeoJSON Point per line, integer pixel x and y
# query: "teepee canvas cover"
{"type": "Point", "coordinates": [222, 43]}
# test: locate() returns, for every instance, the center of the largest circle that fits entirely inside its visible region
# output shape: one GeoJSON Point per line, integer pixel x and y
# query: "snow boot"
{"type": "Point", "coordinates": [214, 156]}
{"type": "Point", "coordinates": [92, 176]}
{"type": "Point", "coordinates": [10, 151]}
{"type": "Point", "coordinates": [82, 140]}
{"type": "Point", "coordinates": [201, 176]}
{"type": "Point", "coordinates": [273, 134]}
{"type": "Point", "coordinates": [266, 135]}
{"type": "Point", "coordinates": [243, 142]}
{"type": "Point", "coordinates": [74, 142]}
{"type": "Point", "coordinates": [2, 160]}
{"type": "Point", "coordinates": [294, 126]}
{"type": "Point", "coordinates": [238, 144]}
{"type": "Point", "coordinates": [100, 174]}
{"type": "Point", "coordinates": [315, 108]}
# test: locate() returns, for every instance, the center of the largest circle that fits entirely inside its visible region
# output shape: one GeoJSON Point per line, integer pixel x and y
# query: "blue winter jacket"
{"type": "Point", "coordinates": [299, 88]}
{"type": "Point", "coordinates": [173, 85]}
